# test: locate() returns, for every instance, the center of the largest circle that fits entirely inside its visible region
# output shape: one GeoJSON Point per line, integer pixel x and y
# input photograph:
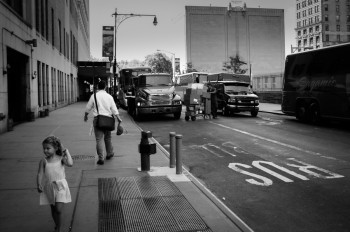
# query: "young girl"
{"type": "Point", "coordinates": [51, 179]}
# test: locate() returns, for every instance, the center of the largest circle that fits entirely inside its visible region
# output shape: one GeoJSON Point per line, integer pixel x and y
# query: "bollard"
{"type": "Point", "coordinates": [172, 149]}
{"type": "Point", "coordinates": [146, 149]}
{"type": "Point", "coordinates": [178, 154]}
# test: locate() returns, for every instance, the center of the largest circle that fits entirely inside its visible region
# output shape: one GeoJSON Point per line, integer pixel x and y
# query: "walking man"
{"type": "Point", "coordinates": [106, 106]}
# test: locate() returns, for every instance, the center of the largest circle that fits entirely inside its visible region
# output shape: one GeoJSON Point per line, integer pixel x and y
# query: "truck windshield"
{"type": "Point", "coordinates": [157, 80]}
{"type": "Point", "coordinates": [236, 88]}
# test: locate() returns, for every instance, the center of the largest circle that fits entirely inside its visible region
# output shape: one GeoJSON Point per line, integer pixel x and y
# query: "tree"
{"type": "Point", "coordinates": [159, 63]}
{"type": "Point", "coordinates": [234, 65]}
{"type": "Point", "coordinates": [190, 68]}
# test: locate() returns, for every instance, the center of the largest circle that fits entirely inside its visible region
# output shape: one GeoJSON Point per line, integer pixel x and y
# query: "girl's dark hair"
{"type": "Point", "coordinates": [55, 142]}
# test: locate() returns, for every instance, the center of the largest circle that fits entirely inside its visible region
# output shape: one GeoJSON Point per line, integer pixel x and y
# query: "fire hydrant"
{"type": "Point", "coordinates": [146, 149]}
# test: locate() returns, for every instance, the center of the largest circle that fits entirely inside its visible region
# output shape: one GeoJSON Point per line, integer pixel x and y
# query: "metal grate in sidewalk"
{"type": "Point", "coordinates": [145, 204]}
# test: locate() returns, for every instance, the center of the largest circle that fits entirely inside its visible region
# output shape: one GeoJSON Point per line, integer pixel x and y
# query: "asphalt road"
{"type": "Point", "coordinates": [275, 173]}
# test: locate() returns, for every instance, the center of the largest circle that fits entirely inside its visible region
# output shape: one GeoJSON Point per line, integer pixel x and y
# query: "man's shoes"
{"type": "Point", "coordinates": [108, 157]}
{"type": "Point", "coordinates": [100, 162]}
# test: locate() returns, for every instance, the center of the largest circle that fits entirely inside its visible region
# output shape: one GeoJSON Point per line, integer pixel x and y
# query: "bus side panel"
{"type": "Point", "coordinates": [321, 77]}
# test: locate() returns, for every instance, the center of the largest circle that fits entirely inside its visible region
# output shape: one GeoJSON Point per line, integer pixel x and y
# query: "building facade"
{"type": "Point", "coordinates": [322, 23]}
{"type": "Point", "coordinates": [215, 36]}
{"type": "Point", "coordinates": [41, 43]}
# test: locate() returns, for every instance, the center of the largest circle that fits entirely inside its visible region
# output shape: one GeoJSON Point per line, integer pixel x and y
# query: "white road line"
{"type": "Point", "coordinates": [272, 141]}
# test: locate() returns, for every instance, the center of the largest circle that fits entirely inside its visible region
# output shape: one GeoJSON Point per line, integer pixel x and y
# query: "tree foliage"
{"type": "Point", "coordinates": [234, 65]}
{"type": "Point", "coordinates": [159, 63]}
{"type": "Point", "coordinates": [190, 68]}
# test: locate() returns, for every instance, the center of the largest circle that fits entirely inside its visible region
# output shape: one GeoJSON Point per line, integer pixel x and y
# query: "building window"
{"type": "Point", "coordinates": [327, 38]}
{"type": "Point", "coordinates": [317, 40]}
{"type": "Point", "coordinates": [299, 33]}
{"type": "Point", "coordinates": [325, 7]}
{"type": "Point", "coordinates": [348, 18]}
{"type": "Point", "coordinates": [348, 27]}
{"type": "Point", "coordinates": [326, 18]}
{"type": "Point", "coordinates": [338, 38]}
{"type": "Point", "coordinates": [338, 27]}
{"type": "Point", "coordinates": [53, 26]}
{"type": "Point", "coordinates": [39, 84]}
{"type": "Point", "coordinates": [348, 8]}
{"type": "Point", "coordinates": [37, 15]}
{"type": "Point", "coordinates": [311, 21]}
{"type": "Point", "coordinates": [311, 41]}
{"type": "Point", "coordinates": [317, 8]}
{"type": "Point", "coordinates": [16, 6]}
{"type": "Point", "coordinates": [311, 30]}
{"type": "Point", "coordinates": [337, 18]}
{"type": "Point", "coordinates": [337, 8]}
{"type": "Point", "coordinates": [317, 18]}
{"type": "Point", "coordinates": [317, 28]}
{"type": "Point", "coordinates": [326, 27]}
{"type": "Point", "coordinates": [304, 42]}
{"type": "Point", "coordinates": [304, 32]}
{"type": "Point", "coordinates": [60, 35]}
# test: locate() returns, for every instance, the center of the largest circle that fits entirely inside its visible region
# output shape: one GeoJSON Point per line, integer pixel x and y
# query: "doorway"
{"type": "Point", "coordinates": [17, 65]}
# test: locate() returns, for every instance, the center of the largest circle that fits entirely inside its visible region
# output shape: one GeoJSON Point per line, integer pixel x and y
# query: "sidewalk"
{"type": "Point", "coordinates": [163, 201]}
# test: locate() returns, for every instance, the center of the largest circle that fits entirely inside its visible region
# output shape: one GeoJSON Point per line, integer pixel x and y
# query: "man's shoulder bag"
{"type": "Point", "coordinates": [104, 122]}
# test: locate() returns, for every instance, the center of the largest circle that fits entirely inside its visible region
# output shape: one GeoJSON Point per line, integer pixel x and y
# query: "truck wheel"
{"type": "Point", "coordinates": [254, 113]}
{"type": "Point", "coordinates": [187, 118]}
{"type": "Point", "coordinates": [225, 111]}
{"type": "Point", "coordinates": [314, 113]}
{"type": "Point", "coordinates": [177, 115]}
{"type": "Point", "coordinates": [193, 118]}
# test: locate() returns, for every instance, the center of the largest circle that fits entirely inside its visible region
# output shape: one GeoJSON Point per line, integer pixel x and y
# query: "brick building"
{"type": "Point", "coordinates": [322, 23]}
{"type": "Point", "coordinates": [41, 43]}
{"type": "Point", "coordinates": [255, 35]}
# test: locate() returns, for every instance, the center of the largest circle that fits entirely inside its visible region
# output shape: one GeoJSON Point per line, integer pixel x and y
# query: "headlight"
{"type": "Point", "coordinates": [257, 101]}
{"type": "Point", "coordinates": [177, 102]}
{"type": "Point", "coordinates": [141, 103]}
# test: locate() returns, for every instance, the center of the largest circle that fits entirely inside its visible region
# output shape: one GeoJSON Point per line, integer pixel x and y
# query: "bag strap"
{"type": "Point", "coordinates": [96, 102]}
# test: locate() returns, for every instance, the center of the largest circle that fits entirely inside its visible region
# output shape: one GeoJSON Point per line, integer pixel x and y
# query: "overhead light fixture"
{"type": "Point", "coordinates": [32, 42]}
{"type": "Point", "coordinates": [155, 22]}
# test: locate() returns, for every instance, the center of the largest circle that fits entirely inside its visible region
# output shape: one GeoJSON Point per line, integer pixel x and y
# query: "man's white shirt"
{"type": "Point", "coordinates": [106, 104]}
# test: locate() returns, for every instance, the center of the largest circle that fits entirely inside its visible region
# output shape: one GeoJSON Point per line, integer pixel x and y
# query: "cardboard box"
{"type": "Point", "coordinates": [190, 99]}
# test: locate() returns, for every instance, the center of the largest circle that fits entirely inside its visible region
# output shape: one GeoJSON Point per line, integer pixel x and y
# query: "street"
{"type": "Point", "coordinates": [274, 172]}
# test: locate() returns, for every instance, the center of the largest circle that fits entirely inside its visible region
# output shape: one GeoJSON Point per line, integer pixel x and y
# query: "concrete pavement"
{"type": "Point", "coordinates": [21, 150]}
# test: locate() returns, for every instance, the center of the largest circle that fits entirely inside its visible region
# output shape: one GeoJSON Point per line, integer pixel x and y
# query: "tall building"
{"type": "Point", "coordinates": [215, 36]}
{"type": "Point", "coordinates": [322, 23]}
{"type": "Point", "coordinates": [41, 43]}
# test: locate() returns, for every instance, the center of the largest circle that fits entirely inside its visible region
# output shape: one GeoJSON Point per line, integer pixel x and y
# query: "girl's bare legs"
{"type": "Point", "coordinates": [53, 213]}
{"type": "Point", "coordinates": [56, 211]}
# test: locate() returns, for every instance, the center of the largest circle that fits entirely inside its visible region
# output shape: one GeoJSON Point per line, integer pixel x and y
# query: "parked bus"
{"type": "Point", "coordinates": [317, 84]}
{"type": "Point", "coordinates": [126, 83]}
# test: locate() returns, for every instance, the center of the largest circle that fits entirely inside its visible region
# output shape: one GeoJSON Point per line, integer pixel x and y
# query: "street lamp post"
{"type": "Point", "coordinates": [117, 22]}
{"type": "Point", "coordinates": [173, 61]}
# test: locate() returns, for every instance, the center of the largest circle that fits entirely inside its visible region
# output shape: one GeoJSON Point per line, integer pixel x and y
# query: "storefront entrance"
{"type": "Point", "coordinates": [18, 85]}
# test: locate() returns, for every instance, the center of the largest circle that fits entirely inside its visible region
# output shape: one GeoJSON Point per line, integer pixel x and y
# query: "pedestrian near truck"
{"type": "Point", "coordinates": [51, 179]}
{"type": "Point", "coordinates": [107, 107]}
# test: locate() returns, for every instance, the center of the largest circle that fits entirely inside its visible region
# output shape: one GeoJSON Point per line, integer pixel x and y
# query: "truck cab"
{"type": "Point", "coordinates": [234, 93]}
{"type": "Point", "coordinates": [154, 94]}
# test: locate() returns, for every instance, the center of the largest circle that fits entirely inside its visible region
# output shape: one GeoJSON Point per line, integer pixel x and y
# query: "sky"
{"type": "Point", "coordinates": [137, 37]}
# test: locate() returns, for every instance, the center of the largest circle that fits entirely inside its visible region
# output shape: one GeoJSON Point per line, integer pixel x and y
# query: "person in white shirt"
{"type": "Point", "coordinates": [106, 106]}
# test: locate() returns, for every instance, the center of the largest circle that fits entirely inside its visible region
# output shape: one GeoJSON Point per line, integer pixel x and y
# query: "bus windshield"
{"type": "Point", "coordinates": [155, 80]}
{"type": "Point", "coordinates": [235, 88]}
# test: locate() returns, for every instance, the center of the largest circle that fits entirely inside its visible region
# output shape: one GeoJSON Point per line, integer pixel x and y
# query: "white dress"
{"type": "Point", "coordinates": [55, 186]}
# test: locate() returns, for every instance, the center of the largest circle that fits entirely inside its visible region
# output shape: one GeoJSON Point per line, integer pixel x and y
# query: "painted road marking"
{"type": "Point", "coordinates": [273, 141]}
